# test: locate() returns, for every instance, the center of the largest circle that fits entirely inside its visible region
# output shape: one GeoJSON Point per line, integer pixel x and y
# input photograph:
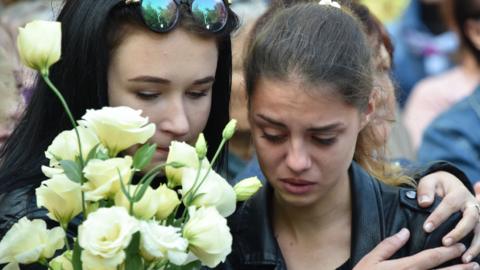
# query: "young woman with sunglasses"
{"type": "Point", "coordinates": [309, 79]}
{"type": "Point", "coordinates": [175, 66]}
{"type": "Point", "coordinates": [172, 60]}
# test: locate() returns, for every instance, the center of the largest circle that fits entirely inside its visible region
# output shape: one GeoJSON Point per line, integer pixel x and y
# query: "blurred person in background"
{"type": "Point", "coordinates": [240, 146]}
{"type": "Point", "coordinates": [436, 94]}
{"type": "Point", "coordinates": [386, 10]}
{"type": "Point", "coordinates": [11, 102]}
{"type": "Point", "coordinates": [423, 44]}
{"type": "Point", "coordinates": [455, 135]}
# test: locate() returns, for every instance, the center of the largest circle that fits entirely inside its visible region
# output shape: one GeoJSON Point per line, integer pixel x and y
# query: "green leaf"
{"type": "Point", "coordinates": [72, 169]}
{"type": "Point", "coordinates": [77, 253]}
{"type": "Point", "coordinates": [92, 153]}
{"type": "Point", "coordinates": [195, 265]}
{"type": "Point", "coordinates": [143, 156]}
{"type": "Point", "coordinates": [102, 154]}
{"type": "Point", "coordinates": [176, 164]}
{"type": "Point", "coordinates": [123, 187]}
{"type": "Point", "coordinates": [143, 188]}
{"type": "Point", "coordinates": [196, 196]}
{"type": "Point", "coordinates": [133, 259]}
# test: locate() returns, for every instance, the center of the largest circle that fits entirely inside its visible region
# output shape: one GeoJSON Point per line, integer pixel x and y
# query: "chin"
{"type": "Point", "coordinates": [299, 201]}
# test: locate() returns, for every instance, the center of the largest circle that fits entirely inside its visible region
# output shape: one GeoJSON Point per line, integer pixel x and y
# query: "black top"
{"type": "Point", "coordinates": [378, 211]}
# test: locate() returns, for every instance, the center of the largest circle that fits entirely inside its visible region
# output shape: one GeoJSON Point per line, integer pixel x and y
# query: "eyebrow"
{"type": "Point", "coordinates": [159, 80]}
{"type": "Point", "coordinates": [329, 127]}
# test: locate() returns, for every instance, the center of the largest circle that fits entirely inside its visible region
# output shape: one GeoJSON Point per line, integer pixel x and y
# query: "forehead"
{"type": "Point", "coordinates": [293, 101]}
{"type": "Point", "coordinates": [173, 54]}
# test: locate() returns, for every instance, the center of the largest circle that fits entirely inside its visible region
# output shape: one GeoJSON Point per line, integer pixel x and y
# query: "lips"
{"type": "Point", "coordinates": [297, 186]}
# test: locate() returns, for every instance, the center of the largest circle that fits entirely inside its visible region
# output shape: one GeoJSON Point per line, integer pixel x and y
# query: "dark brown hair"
{"type": "Point", "coordinates": [304, 40]}
{"type": "Point", "coordinates": [321, 45]}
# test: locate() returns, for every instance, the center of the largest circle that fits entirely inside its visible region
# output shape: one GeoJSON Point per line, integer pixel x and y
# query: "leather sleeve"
{"type": "Point", "coordinates": [421, 240]}
{"type": "Point", "coordinates": [446, 167]}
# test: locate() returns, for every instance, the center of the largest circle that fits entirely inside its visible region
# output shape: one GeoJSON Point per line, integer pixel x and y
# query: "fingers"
{"type": "Point", "coordinates": [464, 226]}
{"type": "Point", "coordinates": [431, 258]}
{"type": "Point", "coordinates": [476, 187]}
{"type": "Point", "coordinates": [468, 266]}
{"type": "Point", "coordinates": [388, 247]}
{"type": "Point", "coordinates": [426, 190]}
{"type": "Point", "coordinates": [449, 205]}
{"type": "Point", "coordinates": [474, 248]}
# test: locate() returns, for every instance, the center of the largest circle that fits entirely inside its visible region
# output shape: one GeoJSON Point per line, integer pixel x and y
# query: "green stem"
{"type": "Point", "coordinates": [67, 244]}
{"type": "Point", "coordinates": [209, 168]}
{"type": "Point", "coordinates": [196, 187]}
{"type": "Point", "coordinates": [218, 152]}
{"type": "Point", "coordinates": [64, 227]}
{"type": "Point", "coordinates": [188, 195]}
{"type": "Point", "coordinates": [45, 263]}
{"type": "Point", "coordinates": [74, 124]}
{"type": "Point", "coordinates": [67, 110]}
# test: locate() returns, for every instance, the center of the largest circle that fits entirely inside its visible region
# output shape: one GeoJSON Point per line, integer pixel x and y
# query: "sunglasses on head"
{"type": "Point", "coordinates": [162, 15]}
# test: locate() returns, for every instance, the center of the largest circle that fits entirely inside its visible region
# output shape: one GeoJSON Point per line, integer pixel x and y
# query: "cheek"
{"type": "Point", "coordinates": [198, 113]}
{"type": "Point", "coordinates": [270, 156]}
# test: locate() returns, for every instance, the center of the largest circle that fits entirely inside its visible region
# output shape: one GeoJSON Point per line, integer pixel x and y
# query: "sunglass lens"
{"type": "Point", "coordinates": [160, 15]}
{"type": "Point", "coordinates": [211, 14]}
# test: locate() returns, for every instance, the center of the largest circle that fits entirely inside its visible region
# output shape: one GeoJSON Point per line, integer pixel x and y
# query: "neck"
{"type": "Point", "coordinates": [469, 64]}
{"type": "Point", "coordinates": [332, 211]}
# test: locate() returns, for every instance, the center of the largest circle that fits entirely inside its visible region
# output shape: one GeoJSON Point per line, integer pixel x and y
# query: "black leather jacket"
{"type": "Point", "coordinates": [379, 211]}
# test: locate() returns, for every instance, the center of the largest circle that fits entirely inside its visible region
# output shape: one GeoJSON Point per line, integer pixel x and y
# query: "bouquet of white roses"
{"type": "Point", "coordinates": [122, 224]}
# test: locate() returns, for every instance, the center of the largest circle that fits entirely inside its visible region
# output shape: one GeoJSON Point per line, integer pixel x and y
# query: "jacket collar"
{"type": "Point", "coordinates": [368, 227]}
{"type": "Point", "coordinates": [256, 241]}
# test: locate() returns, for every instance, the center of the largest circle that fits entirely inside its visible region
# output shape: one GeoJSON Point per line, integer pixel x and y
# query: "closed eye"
{"type": "Point", "coordinates": [146, 95]}
{"type": "Point", "coordinates": [198, 94]}
{"type": "Point", "coordinates": [325, 141]}
{"type": "Point", "coordinates": [273, 138]}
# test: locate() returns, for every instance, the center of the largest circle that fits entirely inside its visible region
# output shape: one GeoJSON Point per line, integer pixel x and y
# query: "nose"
{"type": "Point", "coordinates": [298, 159]}
{"type": "Point", "coordinates": [175, 120]}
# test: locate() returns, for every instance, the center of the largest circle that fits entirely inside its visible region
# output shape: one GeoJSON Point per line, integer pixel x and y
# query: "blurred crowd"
{"type": "Point", "coordinates": [435, 107]}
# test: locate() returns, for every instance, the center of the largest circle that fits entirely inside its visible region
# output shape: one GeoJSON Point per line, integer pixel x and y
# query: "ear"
{"type": "Point", "coordinates": [472, 29]}
{"type": "Point", "coordinates": [368, 114]}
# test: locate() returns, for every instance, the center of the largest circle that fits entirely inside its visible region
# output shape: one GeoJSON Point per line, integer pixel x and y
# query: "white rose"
{"type": "Point", "coordinates": [159, 242]}
{"type": "Point", "coordinates": [62, 262]}
{"type": "Point", "coordinates": [215, 191]}
{"type": "Point", "coordinates": [30, 240]}
{"type": "Point", "coordinates": [39, 44]}
{"type": "Point", "coordinates": [246, 188]}
{"type": "Point", "coordinates": [65, 145]}
{"type": "Point", "coordinates": [104, 235]}
{"type": "Point", "coordinates": [208, 235]}
{"type": "Point", "coordinates": [168, 201]}
{"type": "Point", "coordinates": [104, 177]}
{"type": "Point", "coordinates": [118, 128]}
{"type": "Point", "coordinates": [51, 171]}
{"type": "Point", "coordinates": [143, 209]}
{"type": "Point", "coordinates": [61, 197]}
{"type": "Point", "coordinates": [183, 153]}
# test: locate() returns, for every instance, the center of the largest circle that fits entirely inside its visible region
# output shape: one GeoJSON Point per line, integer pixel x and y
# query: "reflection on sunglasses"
{"type": "Point", "coordinates": [162, 15]}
